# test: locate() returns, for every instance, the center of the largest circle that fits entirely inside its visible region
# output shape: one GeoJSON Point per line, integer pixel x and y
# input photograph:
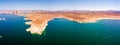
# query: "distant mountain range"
{"type": "Point", "coordinates": [66, 11]}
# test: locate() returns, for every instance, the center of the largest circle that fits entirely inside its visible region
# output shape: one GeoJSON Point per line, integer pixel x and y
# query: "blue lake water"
{"type": "Point", "coordinates": [60, 32]}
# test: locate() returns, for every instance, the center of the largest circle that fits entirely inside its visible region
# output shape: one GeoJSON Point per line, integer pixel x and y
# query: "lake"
{"type": "Point", "coordinates": [59, 32]}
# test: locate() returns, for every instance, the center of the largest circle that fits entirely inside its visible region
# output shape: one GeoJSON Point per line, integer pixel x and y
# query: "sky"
{"type": "Point", "coordinates": [59, 4]}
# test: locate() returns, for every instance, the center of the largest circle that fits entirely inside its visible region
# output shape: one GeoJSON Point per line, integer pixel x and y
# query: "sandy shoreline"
{"type": "Point", "coordinates": [39, 21]}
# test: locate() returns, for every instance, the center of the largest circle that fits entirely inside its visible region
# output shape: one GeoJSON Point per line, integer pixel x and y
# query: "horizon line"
{"type": "Point", "coordinates": [62, 10]}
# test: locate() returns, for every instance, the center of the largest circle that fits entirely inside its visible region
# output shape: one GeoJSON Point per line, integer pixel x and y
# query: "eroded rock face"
{"type": "Point", "coordinates": [37, 28]}
{"type": "Point", "coordinates": [39, 21]}
{"type": "Point", "coordinates": [39, 18]}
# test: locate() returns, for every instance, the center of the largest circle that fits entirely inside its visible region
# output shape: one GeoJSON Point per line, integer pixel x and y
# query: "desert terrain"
{"type": "Point", "coordinates": [39, 20]}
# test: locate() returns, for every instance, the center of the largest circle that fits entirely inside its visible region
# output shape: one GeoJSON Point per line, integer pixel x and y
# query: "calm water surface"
{"type": "Point", "coordinates": [60, 32]}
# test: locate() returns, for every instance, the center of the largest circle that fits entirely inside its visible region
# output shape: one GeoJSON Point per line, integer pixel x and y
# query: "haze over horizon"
{"type": "Point", "coordinates": [60, 5]}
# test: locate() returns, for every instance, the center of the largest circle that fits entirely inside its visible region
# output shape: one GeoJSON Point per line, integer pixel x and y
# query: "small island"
{"type": "Point", "coordinates": [2, 18]}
